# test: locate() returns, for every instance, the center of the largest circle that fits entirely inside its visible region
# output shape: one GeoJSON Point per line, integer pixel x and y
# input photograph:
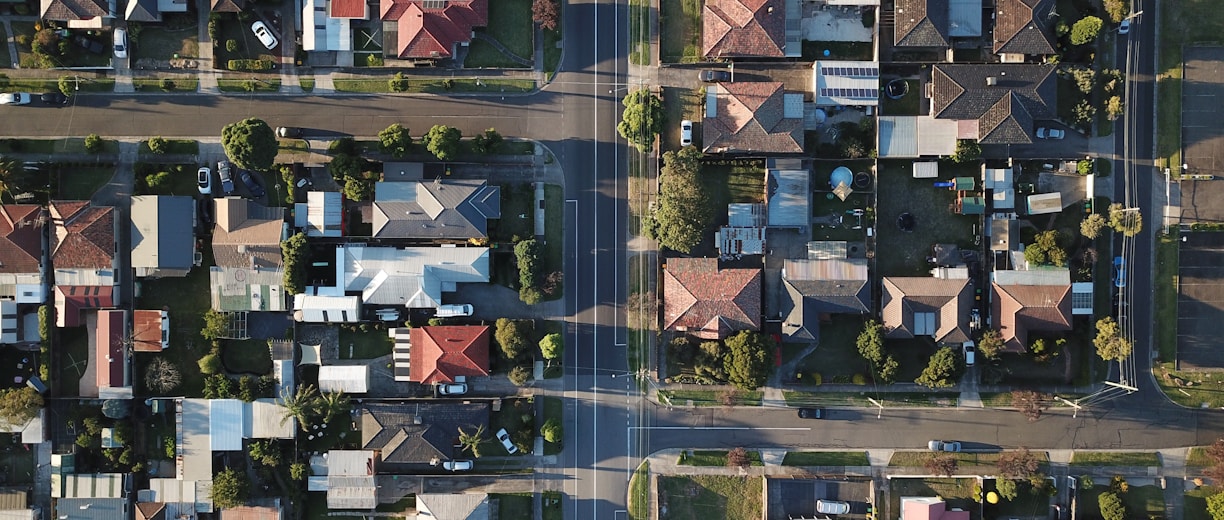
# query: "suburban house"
{"type": "Point", "coordinates": [1042, 300]}
{"type": "Point", "coordinates": [435, 209]}
{"type": "Point", "coordinates": [816, 289]}
{"type": "Point", "coordinates": [112, 363]}
{"type": "Point", "coordinates": [994, 103]}
{"type": "Point", "coordinates": [90, 496]}
{"type": "Point", "coordinates": [453, 506]}
{"type": "Point", "coordinates": [246, 243]}
{"type": "Point", "coordinates": [226, 6]}
{"type": "Point", "coordinates": [163, 237]}
{"type": "Point", "coordinates": [171, 498]}
{"type": "Point", "coordinates": [83, 252]}
{"type": "Point", "coordinates": [923, 306]}
{"type": "Point", "coordinates": [750, 29]}
{"type": "Point", "coordinates": [79, 14]}
{"type": "Point", "coordinates": [752, 117]}
{"type": "Point", "coordinates": [429, 29]}
{"type": "Point", "coordinates": [150, 330]}
{"type": "Point", "coordinates": [1022, 29]}
{"type": "Point", "coordinates": [929, 508]}
{"type": "Point", "coordinates": [447, 354]}
{"type": "Point", "coordinates": [936, 24]}
{"type": "Point", "coordinates": [347, 476]}
{"type": "Point", "coordinates": [322, 215]}
{"type": "Point", "coordinates": [701, 300]}
{"type": "Point", "coordinates": [327, 24]}
{"type": "Point", "coordinates": [846, 83]}
{"type": "Point", "coordinates": [418, 436]}
{"type": "Point", "coordinates": [21, 252]}
{"type": "Point", "coordinates": [411, 277]}
{"type": "Point", "coordinates": [152, 10]}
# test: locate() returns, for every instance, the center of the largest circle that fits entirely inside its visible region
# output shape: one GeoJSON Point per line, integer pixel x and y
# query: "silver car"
{"type": "Point", "coordinates": [505, 441]}
{"type": "Point", "coordinates": [832, 507]}
{"type": "Point", "coordinates": [15, 98]}
{"type": "Point", "coordinates": [948, 446]}
{"type": "Point", "coordinates": [265, 36]}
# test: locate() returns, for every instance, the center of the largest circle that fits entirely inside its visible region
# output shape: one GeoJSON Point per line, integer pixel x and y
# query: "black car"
{"type": "Point", "coordinates": [256, 189]}
{"type": "Point", "coordinates": [54, 98]}
{"type": "Point", "coordinates": [714, 76]}
{"type": "Point", "coordinates": [288, 131]}
{"type": "Point", "coordinates": [811, 413]}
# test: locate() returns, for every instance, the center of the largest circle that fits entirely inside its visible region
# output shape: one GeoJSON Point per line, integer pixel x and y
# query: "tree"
{"type": "Point", "coordinates": [552, 431]}
{"type": "Point", "coordinates": [545, 13]}
{"type": "Point", "coordinates": [1114, 107]}
{"type": "Point", "coordinates": [1085, 78]}
{"type": "Point", "coordinates": [990, 344]}
{"type": "Point", "coordinates": [398, 83]}
{"type": "Point", "coordinates": [738, 458]}
{"type": "Point", "coordinates": [527, 255]}
{"type": "Point", "coordinates": [1109, 343]}
{"type": "Point", "coordinates": [1215, 506]}
{"type": "Point", "coordinates": [117, 408]}
{"type": "Point", "coordinates": [298, 471]}
{"type": "Point", "coordinates": [18, 405]}
{"type": "Point", "coordinates": [358, 189]}
{"type": "Point", "coordinates": [265, 452]}
{"type": "Point", "coordinates": [218, 386]}
{"type": "Point", "coordinates": [471, 442]}
{"type": "Point", "coordinates": [1086, 30]}
{"type": "Point", "coordinates": [684, 211]}
{"type": "Point", "coordinates": [230, 488]}
{"type": "Point", "coordinates": [443, 142]}
{"type": "Point", "coordinates": [1117, 9]}
{"type": "Point", "coordinates": [870, 342]}
{"type": "Point", "coordinates": [747, 360]}
{"type": "Point", "coordinates": [887, 372]}
{"type": "Point", "coordinates": [1128, 221]}
{"type": "Point", "coordinates": [303, 405]}
{"type": "Point", "coordinates": [1030, 403]}
{"type": "Point", "coordinates": [250, 143]}
{"type": "Point", "coordinates": [162, 376]}
{"type": "Point", "coordinates": [939, 371]}
{"type": "Point", "coordinates": [487, 142]}
{"type": "Point", "coordinates": [216, 325]}
{"type": "Point", "coordinates": [395, 140]}
{"type": "Point", "coordinates": [1018, 464]}
{"type": "Point", "coordinates": [512, 336]}
{"type": "Point", "coordinates": [967, 150]}
{"type": "Point", "coordinates": [1092, 226]}
{"type": "Point", "coordinates": [552, 346]}
{"type": "Point", "coordinates": [1111, 506]}
{"type": "Point", "coordinates": [158, 145]}
{"type": "Point", "coordinates": [942, 464]}
{"type": "Point", "coordinates": [642, 119]}
{"type": "Point", "coordinates": [247, 390]}
{"type": "Point", "coordinates": [93, 143]}
{"type": "Point", "coordinates": [295, 256]}
{"type": "Point", "coordinates": [1045, 251]}
{"type": "Point", "coordinates": [332, 405]}
{"type": "Point", "coordinates": [519, 375]}
{"type": "Point", "coordinates": [210, 364]}
{"type": "Point", "coordinates": [1006, 488]}
{"type": "Point", "coordinates": [66, 85]}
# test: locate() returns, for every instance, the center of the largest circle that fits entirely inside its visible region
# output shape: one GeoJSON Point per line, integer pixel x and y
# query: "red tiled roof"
{"type": "Point", "coordinates": [708, 302]}
{"type": "Point", "coordinates": [84, 236]}
{"type": "Point", "coordinates": [251, 513]}
{"type": "Point", "coordinates": [109, 340]}
{"type": "Point", "coordinates": [440, 353]}
{"type": "Point", "coordinates": [428, 32]}
{"type": "Point", "coordinates": [21, 238]}
{"type": "Point", "coordinates": [348, 9]}
{"type": "Point", "coordinates": [732, 28]}
{"type": "Point", "coordinates": [70, 300]}
{"type": "Point", "coordinates": [147, 331]}
{"type": "Point", "coordinates": [1023, 308]}
{"type": "Point", "coordinates": [751, 116]}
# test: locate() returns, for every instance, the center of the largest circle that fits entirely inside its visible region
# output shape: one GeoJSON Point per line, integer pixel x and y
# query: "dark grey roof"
{"type": "Point", "coordinates": [1022, 27]}
{"type": "Point", "coordinates": [171, 219]}
{"type": "Point", "coordinates": [806, 300]}
{"type": "Point", "coordinates": [418, 433]}
{"type": "Point", "coordinates": [921, 23]}
{"type": "Point", "coordinates": [448, 208]}
{"type": "Point", "coordinates": [1005, 110]}
{"type": "Point", "coordinates": [91, 508]}
{"type": "Point", "coordinates": [143, 11]}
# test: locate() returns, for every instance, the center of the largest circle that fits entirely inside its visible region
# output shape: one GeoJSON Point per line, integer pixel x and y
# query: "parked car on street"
{"type": "Point", "coordinates": [1119, 272]}
{"type": "Point", "coordinates": [453, 389]}
{"type": "Point", "coordinates": [811, 413]}
{"type": "Point", "coordinates": [457, 465]}
{"type": "Point", "coordinates": [227, 181]}
{"type": "Point", "coordinates": [204, 180]}
{"type": "Point", "coordinates": [1050, 133]}
{"type": "Point", "coordinates": [53, 98]}
{"type": "Point", "coordinates": [265, 36]}
{"type": "Point", "coordinates": [505, 441]}
{"type": "Point", "coordinates": [714, 76]}
{"type": "Point", "coordinates": [250, 183]}
{"type": "Point", "coordinates": [15, 98]}
{"type": "Point", "coordinates": [948, 446]}
{"type": "Point", "coordinates": [288, 131]}
{"type": "Point", "coordinates": [1124, 27]}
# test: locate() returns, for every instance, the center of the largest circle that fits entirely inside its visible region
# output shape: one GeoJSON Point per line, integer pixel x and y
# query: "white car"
{"type": "Point", "coordinates": [15, 98]}
{"type": "Point", "coordinates": [265, 36]}
{"type": "Point", "coordinates": [120, 44]}
{"type": "Point", "coordinates": [948, 446]}
{"type": "Point", "coordinates": [204, 180]}
{"type": "Point", "coordinates": [686, 133]}
{"type": "Point", "coordinates": [457, 465]}
{"type": "Point", "coordinates": [453, 389]}
{"type": "Point", "coordinates": [970, 352]}
{"type": "Point", "coordinates": [832, 507]}
{"type": "Point", "coordinates": [506, 443]}
{"type": "Point", "coordinates": [1050, 133]}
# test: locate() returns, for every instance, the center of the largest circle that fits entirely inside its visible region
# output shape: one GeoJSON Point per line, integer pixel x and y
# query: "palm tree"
{"type": "Point", "coordinates": [471, 442]}
{"type": "Point", "coordinates": [332, 405]}
{"type": "Point", "coordinates": [302, 405]}
{"type": "Point", "coordinates": [9, 170]}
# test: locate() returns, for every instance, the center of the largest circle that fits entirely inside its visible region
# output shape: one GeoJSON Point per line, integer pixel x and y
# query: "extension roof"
{"type": "Point", "coordinates": [21, 229]}
{"type": "Point", "coordinates": [1021, 27]}
{"type": "Point", "coordinates": [439, 354]}
{"type": "Point", "coordinates": [1005, 99]}
{"type": "Point", "coordinates": [922, 306]}
{"type": "Point", "coordinates": [421, 432]}
{"type": "Point", "coordinates": [707, 302]}
{"type": "Point", "coordinates": [921, 23]}
{"type": "Point", "coordinates": [84, 236]}
{"type": "Point", "coordinates": [751, 117]}
{"type": "Point", "coordinates": [70, 300]}
{"type": "Point", "coordinates": [742, 28]}
{"type": "Point", "coordinates": [247, 234]}
{"type": "Point", "coordinates": [432, 28]}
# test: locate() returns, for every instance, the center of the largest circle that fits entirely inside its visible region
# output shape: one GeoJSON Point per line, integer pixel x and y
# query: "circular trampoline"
{"type": "Point", "coordinates": [896, 89]}
{"type": "Point", "coordinates": [862, 180]}
{"type": "Point", "coordinates": [906, 222]}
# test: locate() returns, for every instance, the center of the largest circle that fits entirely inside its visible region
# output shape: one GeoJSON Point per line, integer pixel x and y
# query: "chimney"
{"type": "Point", "coordinates": [992, 81]}
{"type": "Point", "coordinates": [770, 10]}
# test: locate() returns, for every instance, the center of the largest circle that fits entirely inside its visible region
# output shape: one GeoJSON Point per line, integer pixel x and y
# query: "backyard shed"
{"type": "Point", "coordinates": [971, 205]}
{"type": "Point", "coordinates": [350, 379]}
{"type": "Point", "coordinates": [326, 309]}
{"type": "Point", "coordinates": [1044, 203]}
{"type": "Point", "coordinates": [926, 169]}
{"type": "Point", "coordinates": [786, 194]}
{"type": "Point", "coordinates": [916, 136]}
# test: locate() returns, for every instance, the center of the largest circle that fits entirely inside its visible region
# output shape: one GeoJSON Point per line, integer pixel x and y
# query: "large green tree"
{"type": "Point", "coordinates": [990, 344]}
{"type": "Point", "coordinates": [1128, 221]}
{"type": "Point", "coordinates": [551, 346]}
{"type": "Point", "coordinates": [230, 488]}
{"type": "Point", "coordinates": [295, 255]}
{"type": "Point", "coordinates": [394, 140]}
{"type": "Point", "coordinates": [747, 359]}
{"type": "Point", "coordinates": [1215, 506]}
{"type": "Point", "coordinates": [1086, 30]}
{"type": "Point", "coordinates": [940, 369]}
{"type": "Point", "coordinates": [870, 342]}
{"type": "Point", "coordinates": [642, 119]}
{"type": "Point", "coordinates": [443, 142]}
{"type": "Point", "coordinates": [303, 405]}
{"type": "Point", "coordinates": [1111, 506]}
{"type": "Point", "coordinates": [513, 336]}
{"type": "Point", "coordinates": [684, 209]}
{"type": "Point", "coordinates": [250, 143]}
{"type": "Point", "coordinates": [18, 405]}
{"type": "Point", "coordinates": [1045, 250]}
{"type": "Point", "coordinates": [1109, 343]}
{"type": "Point", "coordinates": [1092, 226]}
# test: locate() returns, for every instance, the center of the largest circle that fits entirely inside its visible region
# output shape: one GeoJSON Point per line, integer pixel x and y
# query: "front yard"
{"type": "Point", "coordinates": [680, 31]}
{"type": "Point", "coordinates": [513, 28]}
{"type": "Point", "coordinates": [700, 497]}
{"type": "Point", "coordinates": [957, 492]}
{"type": "Point", "coordinates": [155, 44]}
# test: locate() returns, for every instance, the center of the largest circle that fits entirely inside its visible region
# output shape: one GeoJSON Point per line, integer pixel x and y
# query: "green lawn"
{"type": "Point", "coordinates": [935, 222]}
{"type": "Point", "coordinates": [712, 397]}
{"type": "Point", "coordinates": [482, 54]}
{"type": "Point", "coordinates": [514, 28]}
{"type": "Point", "coordinates": [680, 31]}
{"type": "Point", "coordinates": [706, 497]}
{"type": "Point", "coordinates": [908, 105]}
{"type": "Point", "coordinates": [50, 146]}
{"type": "Point", "coordinates": [159, 42]}
{"type": "Point", "coordinates": [859, 399]}
{"type": "Point", "coordinates": [437, 85]}
{"type": "Point", "coordinates": [1140, 501]}
{"type": "Point", "coordinates": [1029, 502]}
{"type": "Point", "coordinates": [1110, 458]}
{"type": "Point", "coordinates": [81, 183]}
{"type": "Point", "coordinates": [552, 505]}
{"type": "Point", "coordinates": [513, 505]}
{"type": "Point", "coordinates": [6, 61]}
{"type": "Point", "coordinates": [177, 85]}
{"type": "Point", "coordinates": [37, 85]}
{"type": "Point", "coordinates": [554, 227]}
{"type": "Point", "coordinates": [73, 362]}
{"type": "Point", "coordinates": [1197, 458]}
{"type": "Point", "coordinates": [1166, 296]}
{"type": "Point", "coordinates": [517, 199]}
{"type": "Point", "coordinates": [735, 180]}
{"type": "Point", "coordinates": [364, 345]}
{"type": "Point", "coordinates": [639, 492]}
{"type": "Point", "coordinates": [825, 458]}
{"type": "Point", "coordinates": [957, 492]}
{"type": "Point", "coordinates": [1196, 503]}
{"type": "Point", "coordinates": [181, 180]}
{"type": "Point", "coordinates": [248, 356]}
{"type": "Point", "coordinates": [188, 298]}
{"type": "Point", "coordinates": [552, 53]}
{"type": "Point", "coordinates": [553, 409]}
{"type": "Point", "coordinates": [307, 83]}
{"type": "Point", "coordinates": [836, 357]}
{"type": "Point", "coordinates": [248, 47]}
{"type": "Point", "coordinates": [639, 32]}
{"type": "Point", "coordinates": [249, 85]}
{"type": "Point", "coordinates": [715, 458]}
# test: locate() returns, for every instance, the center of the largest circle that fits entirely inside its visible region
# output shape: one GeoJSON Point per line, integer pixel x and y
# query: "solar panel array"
{"type": "Point", "coordinates": [857, 93]}
{"type": "Point", "coordinates": [852, 72]}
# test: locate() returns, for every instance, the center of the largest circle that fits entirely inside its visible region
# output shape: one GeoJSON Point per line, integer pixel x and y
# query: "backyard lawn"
{"type": "Point", "coordinates": [733, 180]}
{"type": "Point", "coordinates": [364, 344]}
{"type": "Point", "coordinates": [935, 220]}
{"type": "Point", "coordinates": [247, 356]}
{"type": "Point", "coordinates": [709, 497]}
{"type": "Point", "coordinates": [908, 105]}
{"type": "Point", "coordinates": [1028, 503]}
{"type": "Point", "coordinates": [680, 32]}
{"type": "Point", "coordinates": [73, 360]}
{"type": "Point", "coordinates": [187, 298]}
{"type": "Point", "coordinates": [6, 61]}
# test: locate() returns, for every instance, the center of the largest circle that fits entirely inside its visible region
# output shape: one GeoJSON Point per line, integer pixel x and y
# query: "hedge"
{"type": "Point", "coordinates": [251, 64]}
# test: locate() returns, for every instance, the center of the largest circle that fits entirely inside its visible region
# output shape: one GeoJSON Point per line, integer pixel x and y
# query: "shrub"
{"type": "Point", "coordinates": [158, 145]}
{"type": "Point", "coordinates": [1085, 30]}
{"type": "Point", "coordinates": [23, 39]}
{"type": "Point", "coordinates": [231, 45]}
{"type": "Point", "coordinates": [214, 28]}
{"type": "Point", "coordinates": [817, 379]}
{"type": "Point", "coordinates": [519, 375]}
{"type": "Point", "coordinates": [250, 65]}
{"type": "Point", "coordinates": [859, 379]}
{"type": "Point", "coordinates": [398, 83]}
{"type": "Point", "coordinates": [374, 60]}
{"type": "Point", "coordinates": [93, 143]}
{"type": "Point", "coordinates": [45, 317]}
{"type": "Point", "coordinates": [210, 363]}
{"type": "Point", "coordinates": [167, 84]}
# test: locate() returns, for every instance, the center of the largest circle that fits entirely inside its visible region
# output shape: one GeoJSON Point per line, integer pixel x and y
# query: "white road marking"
{"type": "Point", "coordinates": [715, 428]}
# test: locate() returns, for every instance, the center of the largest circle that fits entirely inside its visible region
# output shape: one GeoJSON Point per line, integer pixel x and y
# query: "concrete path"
{"type": "Point", "coordinates": [11, 41]}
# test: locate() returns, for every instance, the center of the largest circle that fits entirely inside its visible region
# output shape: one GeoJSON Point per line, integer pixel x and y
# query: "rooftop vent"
{"type": "Point", "coordinates": [992, 81]}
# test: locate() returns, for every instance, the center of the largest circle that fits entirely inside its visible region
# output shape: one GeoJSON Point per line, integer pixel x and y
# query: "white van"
{"type": "Point", "coordinates": [454, 310]}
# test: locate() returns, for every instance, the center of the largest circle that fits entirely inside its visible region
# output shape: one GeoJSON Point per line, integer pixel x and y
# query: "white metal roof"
{"type": "Point", "coordinates": [194, 455]}
{"type": "Point", "coordinates": [916, 136]}
{"type": "Point", "coordinates": [87, 485]}
{"type": "Point", "coordinates": [1043, 276]}
{"type": "Point", "coordinates": [846, 83]}
{"type": "Point", "coordinates": [787, 197]}
{"type": "Point", "coordinates": [999, 181]}
{"type": "Point", "coordinates": [323, 213]}
{"type": "Point", "coordinates": [746, 215]}
{"type": "Point", "coordinates": [350, 463]}
{"type": "Point", "coordinates": [285, 384]}
{"type": "Point", "coordinates": [326, 309]}
{"type": "Point", "coordinates": [926, 169]}
{"type": "Point", "coordinates": [182, 497]}
{"type": "Point", "coordinates": [350, 379]}
{"type": "Point", "coordinates": [351, 493]}
{"type": "Point", "coordinates": [225, 425]}
{"type": "Point", "coordinates": [740, 240]}
{"type": "Point", "coordinates": [414, 277]}
{"type": "Point", "coordinates": [265, 419]}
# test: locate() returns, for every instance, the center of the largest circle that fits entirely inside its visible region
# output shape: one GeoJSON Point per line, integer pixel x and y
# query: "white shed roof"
{"type": "Point", "coordinates": [323, 212]}
{"type": "Point", "coordinates": [916, 136]}
{"type": "Point", "coordinates": [350, 379]}
{"type": "Point", "coordinates": [265, 419]}
{"type": "Point", "coordinates": [326, 309]}
{"type": "Point", "coordinates": [352, 493]}
{"type": "Point", "coordinates": [87, 485]}
{"type": "Point", "coordinates": [225, 424]}
{"type": "Point", "coordinates": [1043, 203]}
{"type": "Point", "coordinates": [350, 463]}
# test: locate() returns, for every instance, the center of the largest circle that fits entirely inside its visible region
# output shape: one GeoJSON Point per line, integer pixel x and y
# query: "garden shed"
{"type": "Point", "coordinates": [1044, 203]}
{"type": "Point", "coordinates": [350, 379]}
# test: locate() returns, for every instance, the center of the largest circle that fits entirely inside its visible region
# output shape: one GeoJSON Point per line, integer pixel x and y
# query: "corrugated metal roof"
{"type": "Point", "coordinates": [833, 269]}
{"type": "Point", "coordinates": [18, 514]}
{"type": "Point", "coordinates": [741, 240]}
{"type": "Point", "coordinates": [352, 493]}
{"type": "Point", "coordinates": [324, 213]}
{"type": "Point", "coordinates": [746, 215]}
{"type": "Point", "coordinates": [225, 425]}
{"type": "Point", "coordinates": [787, 196]}
{"type": "Point", "coordinates": [91, 508]}
{"type": "Point", "coordinates": [414, 277]}
{"type": "Point", "coordinates": [1045, 276]}
{"type": "Point", "coordinates": [326, 309]}
{"type": "Point", "coordinates": [87, 485]}
{"type": "Point", "coordinates": [350, 379]}
{"type": "Point", "coordinates": [350, 463]}
{"type": "Point", "coordinates": [194, 452]}
{"type": "Point", "coordinates": [8, 321]}
{"type": "Point", "coordinates": [265, 419]}
{"type": "Point", "coordinates": [1043, 203]}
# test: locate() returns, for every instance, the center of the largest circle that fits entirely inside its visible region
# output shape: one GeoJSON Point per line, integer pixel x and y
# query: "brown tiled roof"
{"type": "Point", "coordinates": [439, 354]}
{"type": "Point", "coordinates": [251, 513]}
{"type": "Point", "coordinates": [108, 337]}
{"type": "Point", "coordinates": [707, 302]}
{"type": "Point", "coordinates": [70, 300]}
{"type": "Point", "coordinates": [227, 6]}
{"type": "Point", "coordinates": [247, 234]}
{"type": "Point", "coordinates": [1019, 309]}
{"type": "Point", "coordinates": [1020, 27]}
{"type": "Point", "coordinates": [921, 23]}
{"type": "Point", "coordinates": [430, 32]}
{"type": "Point", "coordinates": [21, 229]}
{"type": "Point", "coordinates": [84, 236]}
{"type": "Point", "coordinates": [68, 10]}
{"type": "Point", "coordinates": [1021, 93]}
{"type": "Point", "coordinates": [146, 331]}
{"type": "Point", "coordinates": [735, 28]}
{"type": "Point", "coordinates": [948, 301]}
{"type": "Point", "coordinates": [151, 511]}
{"type": "Point", "coordinates": [416, 433]}
{"type": "Point", "coordinates": [750, 117]}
